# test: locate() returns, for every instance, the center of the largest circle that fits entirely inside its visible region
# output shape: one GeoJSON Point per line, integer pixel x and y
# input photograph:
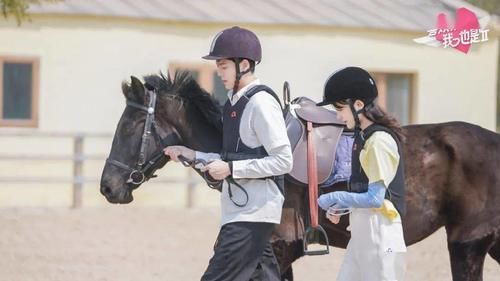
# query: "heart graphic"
{"type": "Point", "coordinates": [465, 20]}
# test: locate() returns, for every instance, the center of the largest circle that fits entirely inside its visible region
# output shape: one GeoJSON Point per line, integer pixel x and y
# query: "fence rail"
{"type": "Point", "coordinates": [78, 158]}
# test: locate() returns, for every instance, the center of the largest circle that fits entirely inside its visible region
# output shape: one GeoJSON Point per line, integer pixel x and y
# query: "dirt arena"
{"type": "Point", "coordinates": [149, 244]}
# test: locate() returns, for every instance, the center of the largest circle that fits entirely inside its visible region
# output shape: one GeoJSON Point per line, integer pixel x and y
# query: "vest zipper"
{"type": "Point", "coordinates": [237, 144]}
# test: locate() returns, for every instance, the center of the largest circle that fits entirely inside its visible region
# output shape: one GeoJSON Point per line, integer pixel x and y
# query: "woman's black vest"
{"type": "Point", "coordinates": [359, 181]}
{"type": "Point", "coordinates": [233, 148]}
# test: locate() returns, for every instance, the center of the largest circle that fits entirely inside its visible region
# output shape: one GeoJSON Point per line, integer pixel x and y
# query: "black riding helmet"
{"type": "Point", "coordinates": [350, 84]}
{"type": "Point", "coordinates": [236, 43]}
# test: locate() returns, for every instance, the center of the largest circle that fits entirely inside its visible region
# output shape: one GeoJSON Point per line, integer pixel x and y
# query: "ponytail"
{"type": "Point", "coordinates": [377, 115]}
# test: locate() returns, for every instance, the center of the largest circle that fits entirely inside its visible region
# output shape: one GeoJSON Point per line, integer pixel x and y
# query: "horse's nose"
{"type": "Point", "coordinates": [106, 191]}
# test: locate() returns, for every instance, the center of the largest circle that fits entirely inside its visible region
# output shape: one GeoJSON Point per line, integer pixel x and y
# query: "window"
{"type": "Point", "coordinates": [19, 92]}
{"type": "Point", "coordinates": [396, 94]}
{"type": "Point", "coordinates": [207, 77]}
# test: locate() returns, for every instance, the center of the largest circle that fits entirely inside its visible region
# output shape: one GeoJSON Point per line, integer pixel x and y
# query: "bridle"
{"type": "Point", "coordinates": [144, 170]}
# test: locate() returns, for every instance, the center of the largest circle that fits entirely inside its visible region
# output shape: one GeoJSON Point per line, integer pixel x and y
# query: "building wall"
{"type": "Point", "coordinates": [83, 61]}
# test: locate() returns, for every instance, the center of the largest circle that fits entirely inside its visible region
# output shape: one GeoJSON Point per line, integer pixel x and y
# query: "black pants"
{"type": "Point", "coordinates": [243, 252]}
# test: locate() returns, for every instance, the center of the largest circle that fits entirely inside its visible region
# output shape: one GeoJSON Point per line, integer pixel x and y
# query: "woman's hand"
{"type": "Point", "coordinates": [175, 150]}
{"type": "Point", "coordinates": [331, 214]}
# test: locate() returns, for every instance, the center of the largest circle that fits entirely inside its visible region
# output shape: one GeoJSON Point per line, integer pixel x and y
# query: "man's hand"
{"type": "Point", "coordinates": [175, 150]}
{"type": "Point", "coordinates": [217, 169]}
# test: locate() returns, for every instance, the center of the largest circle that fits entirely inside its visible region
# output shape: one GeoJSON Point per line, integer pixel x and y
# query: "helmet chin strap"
{"type": "Point", "coordinates": [355, 113]}
{"type": "Point", "coordinates": [239, 74]}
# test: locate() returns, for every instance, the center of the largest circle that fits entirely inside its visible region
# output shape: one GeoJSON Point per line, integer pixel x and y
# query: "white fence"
{"type": "Point", "coordinates": [78, 158]}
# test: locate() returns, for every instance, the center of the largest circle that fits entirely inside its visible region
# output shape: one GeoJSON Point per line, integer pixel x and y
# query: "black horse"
{"type": "Point", "coordinates": [451, 169]}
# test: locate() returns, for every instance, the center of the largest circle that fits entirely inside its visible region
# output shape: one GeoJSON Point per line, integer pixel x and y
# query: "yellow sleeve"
{"type": "Point", "coordinates": [380, 159]}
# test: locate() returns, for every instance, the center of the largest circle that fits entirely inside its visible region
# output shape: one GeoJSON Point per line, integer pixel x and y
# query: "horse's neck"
{"type": "Point", "coordinates": [203, 137]}
{"type": "Point", "coordinates": [196, 134]}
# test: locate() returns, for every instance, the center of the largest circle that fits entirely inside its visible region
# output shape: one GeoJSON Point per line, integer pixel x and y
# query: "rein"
{"type": "Point", "coordinates": [212, 183]}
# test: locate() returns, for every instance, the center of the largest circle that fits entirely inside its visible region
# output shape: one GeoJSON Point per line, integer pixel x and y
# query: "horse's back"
{"type": "Point", "coordinates": [453, 175]}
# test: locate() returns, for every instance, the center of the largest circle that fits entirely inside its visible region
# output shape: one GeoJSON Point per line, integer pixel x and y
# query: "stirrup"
{"type": "Point", "coordinates": [315, 235]}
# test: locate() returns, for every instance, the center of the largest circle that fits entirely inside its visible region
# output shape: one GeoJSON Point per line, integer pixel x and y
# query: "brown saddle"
{"type": "Point", "coordinates": [326, 133]}
{"type": "Point", "coordinates": [314, 133]}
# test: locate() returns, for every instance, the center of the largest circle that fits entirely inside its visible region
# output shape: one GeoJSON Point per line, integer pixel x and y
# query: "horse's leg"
{"type": "Point", "coordinates": [495, 251]}
{"type": "Point", "coordinates": [287, 275]}
{"type": "Point", "coordinates": [467, 258]}
{"type": "Point", "coordinates": [287, 242]}
{"type": "Point", "coordinates": [288, 235]}
{"type": "Point", "coordinates": [286, 253]}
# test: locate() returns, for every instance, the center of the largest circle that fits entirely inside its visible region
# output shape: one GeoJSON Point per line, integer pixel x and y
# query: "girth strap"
{"type": "Point", "coordinates": [312, 175]}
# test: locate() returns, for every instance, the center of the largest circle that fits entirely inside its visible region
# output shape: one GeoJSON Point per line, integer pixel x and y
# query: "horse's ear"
{"type": "Point", "coordinates": [125, 89]}
{"type": "Point", "coordinates": [137, 89]}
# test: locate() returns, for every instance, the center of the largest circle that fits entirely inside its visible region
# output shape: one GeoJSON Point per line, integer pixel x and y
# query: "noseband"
{"type": "Point", "coordinates": [144, 170]}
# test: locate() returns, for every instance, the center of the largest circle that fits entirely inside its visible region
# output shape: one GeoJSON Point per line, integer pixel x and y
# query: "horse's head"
{"type": "Point", "coordinates": [159, 113]}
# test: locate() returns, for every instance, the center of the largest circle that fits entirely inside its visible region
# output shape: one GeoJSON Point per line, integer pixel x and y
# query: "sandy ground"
{"type": "Point", "coordinates": [148, 244]}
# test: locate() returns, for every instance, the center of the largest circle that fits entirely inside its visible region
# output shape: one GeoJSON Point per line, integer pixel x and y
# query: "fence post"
{"type": "Point", "coordinates": [77, 171]}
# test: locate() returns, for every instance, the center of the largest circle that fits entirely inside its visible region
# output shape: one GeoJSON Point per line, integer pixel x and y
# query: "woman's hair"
{"type": "Point", "coordinates": [376, 114]}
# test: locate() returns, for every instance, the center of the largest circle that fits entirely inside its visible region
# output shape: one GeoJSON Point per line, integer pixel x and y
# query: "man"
{"type": "Point", "coordinates": [256, 153]}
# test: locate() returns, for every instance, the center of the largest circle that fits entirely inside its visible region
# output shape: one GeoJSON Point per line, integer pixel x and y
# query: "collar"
{"type": "Point", "coordinates": [234, 98]}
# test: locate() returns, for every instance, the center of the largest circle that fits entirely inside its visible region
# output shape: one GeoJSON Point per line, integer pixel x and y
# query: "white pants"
{"type": "Point", "coordinates": [376, 251]}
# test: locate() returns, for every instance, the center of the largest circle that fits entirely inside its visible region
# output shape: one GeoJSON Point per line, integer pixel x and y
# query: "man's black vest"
{"type": "Point", "coordinates": [233, 148]}
{"type": "Point", "coordinates": [359, 181]}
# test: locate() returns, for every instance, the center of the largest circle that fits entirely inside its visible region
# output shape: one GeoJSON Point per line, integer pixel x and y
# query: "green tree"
{"type": "Point", "coordinates": [491, 6]}
{"type": "Point", "coordinates": [18, 8]}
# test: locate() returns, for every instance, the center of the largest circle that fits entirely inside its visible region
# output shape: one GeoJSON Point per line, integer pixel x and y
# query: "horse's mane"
{"type": "Point", "coordinates": [198, 104]}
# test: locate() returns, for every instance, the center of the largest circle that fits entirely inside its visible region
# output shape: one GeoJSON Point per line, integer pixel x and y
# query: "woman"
{"type": "Point", "coordinates": [376, 188]}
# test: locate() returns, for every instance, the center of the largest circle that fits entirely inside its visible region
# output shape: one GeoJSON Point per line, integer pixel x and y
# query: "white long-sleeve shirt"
{"type": "Point", "coordinates": [262, 124]}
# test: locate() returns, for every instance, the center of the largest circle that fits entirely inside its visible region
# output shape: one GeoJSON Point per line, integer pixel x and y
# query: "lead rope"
{"type": "Point", "coordinates": [229, 180]}
{"type": "Point", "coordinates": [214, 183]}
